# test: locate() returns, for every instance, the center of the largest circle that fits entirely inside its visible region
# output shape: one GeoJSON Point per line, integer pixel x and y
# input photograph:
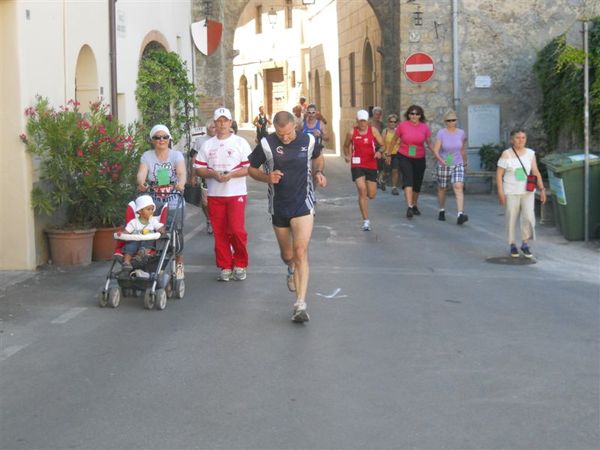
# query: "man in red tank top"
{"type": "Point", "coordinates": [360, 151]}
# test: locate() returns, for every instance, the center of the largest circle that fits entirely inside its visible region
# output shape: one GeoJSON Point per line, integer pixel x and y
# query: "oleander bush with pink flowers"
{"type": "Point", "coordinates": [87, 162]}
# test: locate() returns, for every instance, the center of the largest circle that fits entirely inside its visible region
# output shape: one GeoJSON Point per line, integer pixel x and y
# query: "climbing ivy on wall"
{"type": "Point", "coordinates": [559, 70]}
{"type": "Point", "coordinates": [164, 94]}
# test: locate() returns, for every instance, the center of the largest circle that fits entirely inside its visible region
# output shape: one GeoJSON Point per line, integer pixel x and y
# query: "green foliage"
{"type": "Point", "coordinates": [164, 93]}
{"type": "Point", "coordinates": [559, 69]}
{"type": "Point", "coordinates": [489, 154]}
{"type": "Point", "coordinates": [88, 162]}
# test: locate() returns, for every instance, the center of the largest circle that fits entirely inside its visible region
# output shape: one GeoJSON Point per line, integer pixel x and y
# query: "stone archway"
{"type": "Point", "coordinates": [214, 73]}
{"type": "Point", "coordinates": [86, 79]}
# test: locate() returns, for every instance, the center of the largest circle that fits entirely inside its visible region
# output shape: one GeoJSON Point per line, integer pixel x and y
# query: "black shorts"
{"type": "Point", "coordinates": [284, 222]}
{"type": "Point", "coordinates": [369, 174]}
{"type": "Point", "coordinates": [412, 170]}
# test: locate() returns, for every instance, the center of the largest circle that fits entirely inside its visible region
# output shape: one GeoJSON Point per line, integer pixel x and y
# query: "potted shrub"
{"type": "Point", "coordinates": [87, 166]}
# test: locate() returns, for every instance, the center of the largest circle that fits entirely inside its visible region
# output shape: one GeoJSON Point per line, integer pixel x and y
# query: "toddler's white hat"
{"type": "Point", "coordinates": [142, 201]}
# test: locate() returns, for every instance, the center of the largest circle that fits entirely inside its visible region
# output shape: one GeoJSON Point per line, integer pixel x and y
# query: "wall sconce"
{"type": "Point", "coordinates": [308, 2]}
{"type": "Point", "coordinates": [272, 16]}
{"type": "Point", "coordinates": [417, 17]}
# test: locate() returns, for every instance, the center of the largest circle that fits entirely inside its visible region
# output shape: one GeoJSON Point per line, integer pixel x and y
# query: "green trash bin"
{"type": "Point", "coordinates": [565, 174]}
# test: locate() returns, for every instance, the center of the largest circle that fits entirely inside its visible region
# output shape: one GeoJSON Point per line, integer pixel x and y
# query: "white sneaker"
{"type": "Point", "coordinates": [366, 225]}
{"type": "Point", "coordinates": [225, 275]}
{"type": "Point", "coordinates": [239, 273]}
{"type": "Point", "coordinates": [179, 273]}
{"type": "Point", "coordinates": [300, 315]}
{"type": "Point", "coordinates": [291, 284]}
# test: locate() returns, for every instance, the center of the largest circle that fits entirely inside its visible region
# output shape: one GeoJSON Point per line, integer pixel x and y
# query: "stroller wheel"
{"type": "Point", "coordinates": [149, 299]}
{"type": "Point", "coordinates": [179, 288]}
{"type": "Point", "coordinates": [161, 299]}
{"type": "Point", "coordinates": [103, 303]}
{"type": "Point", "coordinates": [169, 289]}
{"type": "Point", "coordinates": [114, 297]}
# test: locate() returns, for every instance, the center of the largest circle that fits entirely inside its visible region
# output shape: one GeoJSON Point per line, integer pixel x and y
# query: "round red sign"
{"type": "Point", "coordinates": [418, 67]}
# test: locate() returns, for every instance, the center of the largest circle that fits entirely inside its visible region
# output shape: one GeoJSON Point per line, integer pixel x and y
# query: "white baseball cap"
{"type": "Point", "coordinates": [222, 112]}
{"type": "Point", "coordinates": [362, 115]}
{"type": "Point", "coordinates": [142, 201]}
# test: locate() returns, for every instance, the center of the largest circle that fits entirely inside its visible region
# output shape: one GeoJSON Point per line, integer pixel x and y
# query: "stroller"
{"type": "Point", "coordinates": [153, 274]}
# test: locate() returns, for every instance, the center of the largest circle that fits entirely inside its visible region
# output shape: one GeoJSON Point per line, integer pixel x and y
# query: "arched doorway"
{"type": "Point", "coordinates": [86, 79]}
{"type": "Point", "coordinates": [327, 108]}
{"type": "Point", "coordinates": [243, 118]}
{"type": "Point", "coordinates": [317, 92]}
{"type": "Point", "coordinates": [368, 77]}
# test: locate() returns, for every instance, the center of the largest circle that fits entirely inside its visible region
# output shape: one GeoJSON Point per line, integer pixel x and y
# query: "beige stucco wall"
{"type": "Point", "coordinates": [357, 24]}
{"type": "Point", "coordinates": [42, 41]}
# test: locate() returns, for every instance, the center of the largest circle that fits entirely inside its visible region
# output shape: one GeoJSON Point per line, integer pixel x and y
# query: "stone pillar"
{"type": "Point", "coordinates": [214, 73]}
{"type": "Point", "coordinates": [388, 16]}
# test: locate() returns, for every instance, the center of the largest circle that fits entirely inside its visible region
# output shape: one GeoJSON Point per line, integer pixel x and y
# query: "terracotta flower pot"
{"type": "Point", "coordinates": [71, 247]}
{"type": "Point", "coordinates": [104, 244]}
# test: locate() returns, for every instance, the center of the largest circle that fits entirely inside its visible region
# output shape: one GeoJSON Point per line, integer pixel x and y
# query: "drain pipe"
{"type": "Point", "coordinates": [112, 39]}
{"type": "Point", "coordinates": [456, 57]}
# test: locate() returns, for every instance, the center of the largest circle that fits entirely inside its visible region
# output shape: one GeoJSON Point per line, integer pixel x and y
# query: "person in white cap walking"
{"type": "Point", "coordinates": [360, 150]}
{"type": "Point", "coordinates": [165, 168]}
{"type": "Point", "coordinates": [223, 162]}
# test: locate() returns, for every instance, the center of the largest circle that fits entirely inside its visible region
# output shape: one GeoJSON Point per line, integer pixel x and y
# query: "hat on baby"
{"type": "Point", "coordinates": [362, 115]}
{"type": "Point", "coordinates": [142, 201]}
{"type": "Point", "coordinates": [156, 128]}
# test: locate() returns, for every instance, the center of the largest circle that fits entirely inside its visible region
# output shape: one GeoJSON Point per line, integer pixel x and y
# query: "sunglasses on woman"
{"type": "Point", "coordinates": [158, 138]}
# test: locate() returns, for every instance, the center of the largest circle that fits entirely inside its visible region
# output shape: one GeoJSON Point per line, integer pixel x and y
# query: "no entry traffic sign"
{"type": "Point", "coordinates": [418, 67]}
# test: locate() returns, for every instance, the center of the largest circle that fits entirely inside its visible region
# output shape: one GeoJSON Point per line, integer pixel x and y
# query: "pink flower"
{"type": "Point", "coordinates": [23, 138]}
{"type": "Point", "coordinates": [79, 152]}
{"type": "Point", "coordinates": [30, 112]}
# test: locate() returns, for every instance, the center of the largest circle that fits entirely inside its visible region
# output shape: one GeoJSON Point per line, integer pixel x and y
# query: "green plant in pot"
{"type": "Point", "coordinates": [87, 164]}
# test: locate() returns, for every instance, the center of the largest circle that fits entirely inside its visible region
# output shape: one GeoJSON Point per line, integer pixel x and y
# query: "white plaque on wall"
{"type": "Point", "coordinates": [484, 125]}
{"type": "Point", "coordinates": [483, 81]}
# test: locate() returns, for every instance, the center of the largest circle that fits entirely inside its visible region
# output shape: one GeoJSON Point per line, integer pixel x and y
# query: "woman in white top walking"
{"type": "Point", "coordinates": [514, 165]}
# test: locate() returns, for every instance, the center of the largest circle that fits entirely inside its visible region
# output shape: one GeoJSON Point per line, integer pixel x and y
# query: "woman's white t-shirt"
{"type": "Point", "coordinates": [515, 178]}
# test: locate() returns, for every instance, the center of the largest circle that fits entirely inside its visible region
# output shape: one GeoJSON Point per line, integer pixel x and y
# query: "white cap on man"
{"type": "Point", "coordinates": [362, 115]}
{"type": "Point", "coordinates": [222, 112]}
{"type": "Point", "coordinates": [142, 201]}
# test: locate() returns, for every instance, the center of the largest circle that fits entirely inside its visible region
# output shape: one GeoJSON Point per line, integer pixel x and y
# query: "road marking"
{"type": "Point", "coordinates": [192, 233]}
{"type": "Point", "coordinates": [334, 294]}
{"type": "Point", "coordinates": [70, 314]}
{"type": "Point", "coordinates": [9, 351]}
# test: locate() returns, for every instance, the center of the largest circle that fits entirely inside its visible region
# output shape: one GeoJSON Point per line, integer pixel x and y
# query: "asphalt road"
{"type": "Point", "coordinates": [415, 341]}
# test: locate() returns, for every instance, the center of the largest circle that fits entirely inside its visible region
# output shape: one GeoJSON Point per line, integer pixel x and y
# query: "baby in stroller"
{"type": "Point", "coordinates": [143, 223]}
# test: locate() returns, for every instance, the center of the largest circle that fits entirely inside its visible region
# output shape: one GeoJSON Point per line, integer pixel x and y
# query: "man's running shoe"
{"type": "Point", "coordinates": [442, 216]}
{"type": "Point", "coordinates": [526, 252]}
{"type": "Point", "coordinates": [462, 218]}
{"type": "Point", "coordinates": [291, 284]}
{"type": "Point", "coordinates": [514, 252]}
{"type": "Point", "coordinates": [416, 211]}
{"type": "Point", "coordinates": [225, 275]}
{"type": "Point", "coordinates": [409, 213]}
{"type": "Point", "coordinates": [239, 273]}
{"type": "Point", "coordinates": [395, 191]}
{"type": "Point", "coordinates": [382, 183]}
{"type": "Point", "coordinates": [209, 229]}
{"type": "Point", "coordinates": [300, 315]}
{"type": "Point", "coordinates": [366, 226]}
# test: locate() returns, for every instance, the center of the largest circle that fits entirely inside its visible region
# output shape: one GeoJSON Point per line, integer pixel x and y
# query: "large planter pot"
{"type": "Point", "coordinates": [104, 244]}
{"type": "Point", "coordinates": [71, 247]}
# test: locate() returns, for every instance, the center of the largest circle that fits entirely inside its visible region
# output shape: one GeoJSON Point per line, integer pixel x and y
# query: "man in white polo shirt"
{"type": "Point", "coordinates": [223, 162]}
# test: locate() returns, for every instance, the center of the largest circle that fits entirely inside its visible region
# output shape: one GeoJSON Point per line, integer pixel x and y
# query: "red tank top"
{"type": "Point", "coordinates": [363, 153]}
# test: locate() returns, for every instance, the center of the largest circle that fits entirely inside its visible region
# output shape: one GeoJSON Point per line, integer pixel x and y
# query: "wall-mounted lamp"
{"type": "Point", "coordinates": [308, 2]}
{"type": "Point", "coordinates": [417, 17]}
{"type": "Point", "coordinates": [272, 16]}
